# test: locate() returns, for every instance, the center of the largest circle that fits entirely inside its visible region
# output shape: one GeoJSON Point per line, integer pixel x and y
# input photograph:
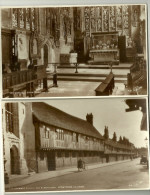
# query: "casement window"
{"type": "Point", "coordinates": [59, 134]}
{"type": "Point", "coordinates": [74, 154]}
{"type": "Point", "coordinates": [9, 117]}
{"type": "Point", "coordinates": [45, 131]}
{"type": "Point", "coordinates": [66, 154]}
{"type": "Point", "coordinates": [59, 154]}
{"type": "Point", "coordinates": [77, 137]}
{"type": "Point", "coordinates": [74, 137]}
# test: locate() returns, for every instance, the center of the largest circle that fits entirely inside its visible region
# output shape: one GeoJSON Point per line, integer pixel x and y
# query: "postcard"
{"type": "Point", "coordinates": [76, 145]}
{"type": "Point", "coordinates": [75, 51]}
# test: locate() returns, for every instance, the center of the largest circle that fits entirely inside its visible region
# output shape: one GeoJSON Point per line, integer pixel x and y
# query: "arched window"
{"type": "Point", "coordinates": [24, 18]}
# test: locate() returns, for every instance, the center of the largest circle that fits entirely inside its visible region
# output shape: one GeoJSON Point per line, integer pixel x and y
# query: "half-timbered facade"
{"type": "Point", "coordinates": [115, 151]}
{"type": "Point", "coordinates": [39, 137]}
{"type": "Point", "coordinates": [63, 139]}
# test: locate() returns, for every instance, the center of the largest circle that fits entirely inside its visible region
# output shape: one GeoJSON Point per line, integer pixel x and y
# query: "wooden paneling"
{"type": "Point", "coordinates": [6, 47]}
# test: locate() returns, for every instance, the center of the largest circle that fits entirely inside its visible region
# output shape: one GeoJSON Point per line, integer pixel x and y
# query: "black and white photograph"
{"type": "Point", "coordinates": [76, 145]}
{"type": "Point", "coordinates": [67, 51]}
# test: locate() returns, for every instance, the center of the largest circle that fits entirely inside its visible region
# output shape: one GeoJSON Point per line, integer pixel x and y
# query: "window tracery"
{"type": "Point", "coordinates": [24, 18]}
{"type": "Point", "coordinates": [53, 23]}
{"type": "Point", "coordinates": [108, 19]}
{"type": "Point", "coordinates": [67, 22]}
{"type": "Point", "coordinates": [15, 17]}
{"type": "Point", "coordinates": [105, 18]}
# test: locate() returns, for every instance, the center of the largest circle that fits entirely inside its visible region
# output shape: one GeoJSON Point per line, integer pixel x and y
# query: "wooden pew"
{"type": "Point", "coordinates": [106, 87]}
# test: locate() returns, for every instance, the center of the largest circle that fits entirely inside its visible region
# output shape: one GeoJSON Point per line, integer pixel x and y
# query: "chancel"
{"type": "Point", "coordinates": [74, 46]}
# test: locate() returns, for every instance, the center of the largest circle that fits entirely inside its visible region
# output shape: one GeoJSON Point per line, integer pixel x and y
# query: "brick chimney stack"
{"type": "Point", "coordinates": [89, 118]}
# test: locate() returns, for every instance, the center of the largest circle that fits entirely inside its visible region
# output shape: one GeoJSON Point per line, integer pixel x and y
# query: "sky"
{"type": "Point", "coordinates": [106, 112]}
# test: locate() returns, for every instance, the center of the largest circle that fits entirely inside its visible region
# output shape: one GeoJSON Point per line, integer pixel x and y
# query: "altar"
{"type": "Point", "coordinates": [104, 47]}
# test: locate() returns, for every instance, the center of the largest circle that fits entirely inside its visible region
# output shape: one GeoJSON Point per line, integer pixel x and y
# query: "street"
{"type": "Point", "coordinates": [126, 175]}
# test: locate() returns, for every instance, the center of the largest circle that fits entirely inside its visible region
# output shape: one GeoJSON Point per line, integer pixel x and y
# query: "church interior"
{"type": "Point", "coordinates": [74, 51]}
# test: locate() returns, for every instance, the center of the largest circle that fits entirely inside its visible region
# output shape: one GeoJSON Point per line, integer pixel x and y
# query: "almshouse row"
{"type": "Point", "coordinates": [39, 137]}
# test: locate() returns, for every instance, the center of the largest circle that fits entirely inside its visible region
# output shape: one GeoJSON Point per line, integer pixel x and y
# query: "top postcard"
{"type": "Point", "coordinates": [74, 51]}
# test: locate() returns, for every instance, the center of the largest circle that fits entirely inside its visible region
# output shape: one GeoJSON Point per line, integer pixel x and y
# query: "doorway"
{"type": "Point", "coordinates": [107, 158]}
{"type": "Point", "coordinates": [122, 48]}
{"type": "Point", "coordinates": [45, 55]}
{"type": "Point", "coordinates": [14, 160]}
{"type": "Point", "coordinates": [51, 163]}
{"type": "Point", "coordinates": [79, 48]}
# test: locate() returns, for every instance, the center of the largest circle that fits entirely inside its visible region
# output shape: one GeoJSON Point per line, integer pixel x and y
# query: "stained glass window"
{"type": "Point", "coordinates": [15, 17]}
{"type": "Point", "coordinates": [119, 17]}
{"type": "Point", "coordinates": [87, 20]}
{"type": "Point", "coordinates": [112, 19]}
{"type": "Point", "coordinates": [105, 18]}
{"type": "Point", "coordinates": [125, 15]}
{"type": "Point", "coordinates": [28, 20]}
{"type": "Point", "coordinates": [24, 18]}
{"type": "Point", "coordinates": [108, 19]}
{"type": "Point", "coordinates": [33, 18]}
{"type": "Point", "coordinates": [21, 18]}
{"type": "Point", "coordinates": [99, 18]}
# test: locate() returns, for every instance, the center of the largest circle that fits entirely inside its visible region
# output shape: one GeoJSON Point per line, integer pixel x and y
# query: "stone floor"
{"type": "Point", "coordinates": [85, 81]}
{"type": "Point", "coordinates": [71, 88]}
{"type": "Point", "coordinates": [77, 88]}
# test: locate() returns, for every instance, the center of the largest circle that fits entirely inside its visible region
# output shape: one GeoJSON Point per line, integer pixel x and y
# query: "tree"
{"type": "Point", "coordinates": [106, 133]}
{"type": "Point", "coordinates": [114, 137]}
{"type": "Point", "coordinates": [120, 140]}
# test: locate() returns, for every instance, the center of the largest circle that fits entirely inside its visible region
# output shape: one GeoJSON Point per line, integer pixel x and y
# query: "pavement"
{"type": "Point", "coordinates": [21, 180]}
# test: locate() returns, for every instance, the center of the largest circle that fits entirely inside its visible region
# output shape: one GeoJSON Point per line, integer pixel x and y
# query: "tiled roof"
{"type": "Point", "coordinates": [55, 117]}
{"type": "Point", "coordinates": [110, 142]}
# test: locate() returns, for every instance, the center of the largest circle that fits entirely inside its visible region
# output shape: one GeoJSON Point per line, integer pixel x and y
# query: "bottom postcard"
{"type": "Point", "coordinates": [75, 145]}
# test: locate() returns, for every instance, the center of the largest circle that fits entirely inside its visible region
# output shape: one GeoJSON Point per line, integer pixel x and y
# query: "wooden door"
{"type": "Point", "coordinates": [122, 48]}
{"type": "Point", "coordinates": [79, 48]}
{"type": "Point", "coordinates": [51, 161]}
{"type": "Point", "coordinates": [14, 160]}
{"type": "Point", "coordinates": [45, 55]}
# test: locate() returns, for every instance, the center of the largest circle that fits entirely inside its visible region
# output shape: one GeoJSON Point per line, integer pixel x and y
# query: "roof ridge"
{"type": "Point", "coordinates": [65, 113]}
{"type": "Point", "coordinates": [71, 117]}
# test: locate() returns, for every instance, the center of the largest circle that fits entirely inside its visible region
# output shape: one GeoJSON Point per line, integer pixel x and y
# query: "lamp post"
{"type": "Point", "coordinates": [76, 64]}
